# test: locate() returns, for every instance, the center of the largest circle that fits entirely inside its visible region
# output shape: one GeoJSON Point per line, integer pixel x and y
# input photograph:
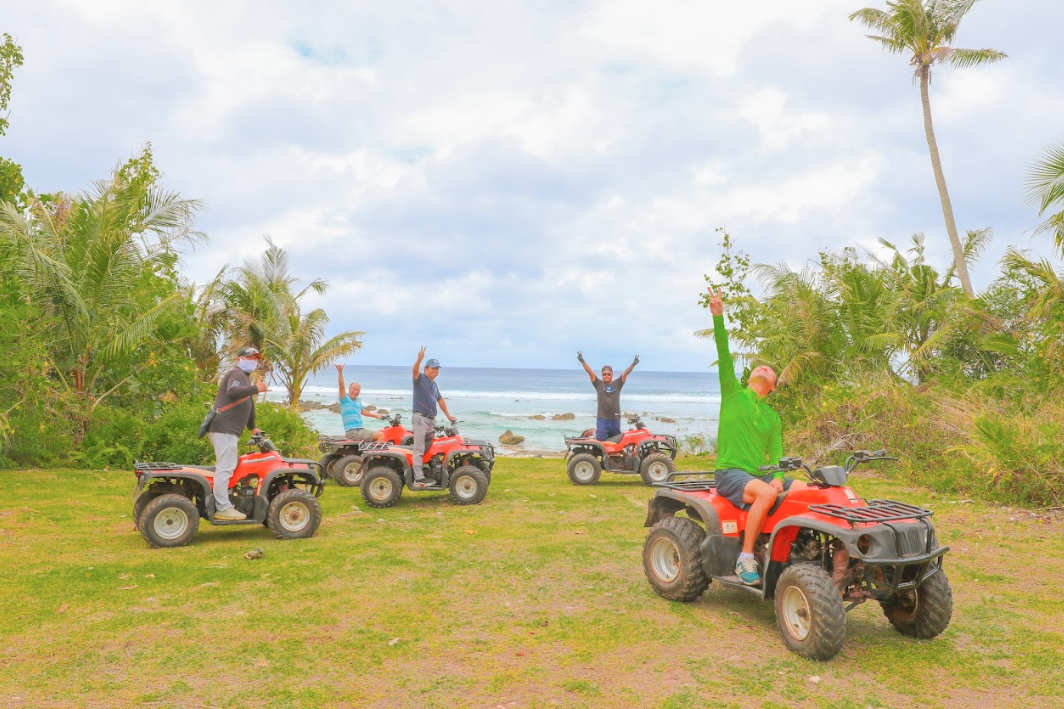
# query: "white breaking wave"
{"type": "Point", "coordinates": [526, 395]}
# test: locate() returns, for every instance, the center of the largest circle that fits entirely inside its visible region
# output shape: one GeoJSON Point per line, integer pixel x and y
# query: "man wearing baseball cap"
{"type": "Point", "coordinates": [235, 405]}
{"type": "Point", "coordinates": [426, 397]}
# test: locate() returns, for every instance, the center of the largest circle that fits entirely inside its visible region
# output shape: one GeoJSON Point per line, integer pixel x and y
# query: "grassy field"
{"type": "Point", "coordinates": [535, 598]}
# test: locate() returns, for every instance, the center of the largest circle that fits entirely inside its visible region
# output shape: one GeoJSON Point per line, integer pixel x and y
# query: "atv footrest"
{"type": "Point", "coordinates": [230, 522]}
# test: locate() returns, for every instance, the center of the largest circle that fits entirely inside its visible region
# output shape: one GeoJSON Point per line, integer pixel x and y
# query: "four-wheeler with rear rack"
{"type": "Point", "coordinates": [634, 451]}
{"type": "Point", "coordinates": [343, 457]}
{"type": "Point", "coordinates": [823, 551]}
{"type": "Point", "coordinates": [280, 493]}
{"type": "Point", "coordinates": [451, 463]}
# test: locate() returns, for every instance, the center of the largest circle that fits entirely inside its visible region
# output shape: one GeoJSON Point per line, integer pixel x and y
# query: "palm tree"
{"type": "Point", "coordinates": [297, 350]}
{"type": "Point", "coordinates": [1045, 187]}
{"type": "Point", "coordinates": [925, 29]}
{"type": "Point", "coordinates": [258, 307]}
{"type": "Point", "coordinates": [81, 259]}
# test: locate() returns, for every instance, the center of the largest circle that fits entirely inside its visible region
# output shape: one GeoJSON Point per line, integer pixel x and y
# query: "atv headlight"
{"type": "Point", "coordinates": [864, 544]}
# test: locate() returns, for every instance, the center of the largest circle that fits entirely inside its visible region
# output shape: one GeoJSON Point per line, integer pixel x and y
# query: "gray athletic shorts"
{"type": "Point", "coordinates": [731, 483]}
{"type": "Point", "coordinates": [359, 434]}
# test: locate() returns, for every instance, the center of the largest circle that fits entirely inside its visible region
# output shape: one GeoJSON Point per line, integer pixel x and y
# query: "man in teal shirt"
{"type": "Point", "coordinates": [749, 436]}
{"type": "Point", "coordinates": [352, 411]}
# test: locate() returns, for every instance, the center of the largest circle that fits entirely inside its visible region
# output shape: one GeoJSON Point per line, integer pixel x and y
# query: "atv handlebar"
{"type": "Point", "coordinates": [263, 441]}
{"type": "Point", "coordinates": [449, 429]}
{"type": "Point", "coordinates": [856, 458]}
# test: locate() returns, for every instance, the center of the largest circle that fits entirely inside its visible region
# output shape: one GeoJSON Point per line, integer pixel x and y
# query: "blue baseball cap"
{"type": "Point", "coordinates": [432, 363]}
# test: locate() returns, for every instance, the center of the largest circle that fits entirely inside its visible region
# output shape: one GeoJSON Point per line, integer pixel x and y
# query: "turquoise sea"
{"type": "Point", "coordinates": [487, 402]}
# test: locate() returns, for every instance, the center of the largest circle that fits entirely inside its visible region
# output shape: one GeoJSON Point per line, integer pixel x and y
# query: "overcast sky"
{"type": "Point", "coordinates": [509, 181]}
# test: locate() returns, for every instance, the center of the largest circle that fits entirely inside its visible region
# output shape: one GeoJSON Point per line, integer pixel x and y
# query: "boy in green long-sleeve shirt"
{"type": "Point", "coordinates": [749, 435]}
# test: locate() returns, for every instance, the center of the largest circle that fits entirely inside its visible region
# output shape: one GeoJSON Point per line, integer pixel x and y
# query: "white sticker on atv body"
{"type": "Point", "coordinates": [850, 495]}
{"type": "Point", "coordinates": [730, 527]}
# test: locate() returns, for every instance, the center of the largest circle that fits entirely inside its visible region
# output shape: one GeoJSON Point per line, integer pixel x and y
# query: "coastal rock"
{"type": "Point", "coordinates": [371, 407]}
{"type": "Point", "coordinates": [563, 417]}
{"type": "Point", "coordinates": [664, 419]}
{"type": "Point", "coordinates": [382, 412]}
{"type": "Point", "coordinates": [312, 405]}
{"type": "Point", "coordinates": [509, 439]}
{"type": "Point", "coordinates": [537, 417]}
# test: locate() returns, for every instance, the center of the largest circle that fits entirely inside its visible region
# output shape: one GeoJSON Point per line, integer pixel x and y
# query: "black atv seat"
{"type": "Point", "coordinates": [208, 468]}
{"type": "Point", "coordinates": [614, 439]}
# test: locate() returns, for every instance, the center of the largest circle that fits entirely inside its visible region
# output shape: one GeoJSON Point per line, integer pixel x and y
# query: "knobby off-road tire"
{"type": "Point", "coordinates": [381, 486]}
{"type": "Point", "coordinates": [469, 485]}
{"type": "Point", "coordinates": [169, 520]}
{"type": "Point", "coordinates": [809, 612]}
{"type": "Point", "coordinates": [327, 461]}
{"type": "Point", "coordinates": [672, 560]}
{"type": "Point", "coordinates": [923, 613]}
{"type": "Point", "coordinates": [294, 514]}
{"type": "Point", "coordinates": [139, 504]}
{"type": "Point", "coordinates": [347, 471]}
{"type": "Point", "coordinates": [656, 468]}
{"type": "Point", "coordinates": [584, 469]}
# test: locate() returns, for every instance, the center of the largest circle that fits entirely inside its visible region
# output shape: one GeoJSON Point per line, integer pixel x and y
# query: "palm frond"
{"type": "Point", "coordinates": [964, 58]}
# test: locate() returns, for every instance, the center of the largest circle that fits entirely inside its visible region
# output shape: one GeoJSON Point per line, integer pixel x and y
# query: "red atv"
{"type": "Point", "coordinates": [280, 493]}
{"type": "Point", "coordinates": [635, 451]}
{"type": "Point", "coordinates": [343, 460]}
{"type": "Point", "coordinates": [451, 463]}
{"type": "Point", "coordinates": [822, 547]}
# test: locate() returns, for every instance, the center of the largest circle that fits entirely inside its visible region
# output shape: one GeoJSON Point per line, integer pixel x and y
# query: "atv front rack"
{"type": "Point", "coordinates": [876, 511]}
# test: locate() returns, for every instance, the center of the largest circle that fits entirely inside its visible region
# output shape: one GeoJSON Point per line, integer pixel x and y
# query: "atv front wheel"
{"type": "Point", "coordinates": [672, 559]}
{"type": "Point", "coordinates": [469, 485]}
{"type": "Point", "coordinates": [923, 613]}
{"type": "Point", "coordinates": [584, 469]}
{"type": "Point", "coordinates": [656, 468]}
{"type": "Point", "coordinates": [348, 471]}
{"type": "Point", "coordinates": [169, 520]}
{"type": "Point", "coordinates": [809, 612]}
{"type": "Point", "coordinates": [381, 486]}
{"type": "Point", "coordinates": [294, 514]}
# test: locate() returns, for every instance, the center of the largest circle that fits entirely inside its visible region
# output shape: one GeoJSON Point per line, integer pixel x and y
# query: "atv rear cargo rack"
{"type": "Point", "coordinates": [693, 482]}
{"type": "Point", "coordinates": [876, 511]}
{"type": "Point", "coordinates": [144, 467]}
{"type": "Point", "coordinates": [376, 446]}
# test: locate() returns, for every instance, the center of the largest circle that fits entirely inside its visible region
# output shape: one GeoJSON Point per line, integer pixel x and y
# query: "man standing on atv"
{"type": "Point", "coordinates": [608, 415]}
{"type": "Point", "coordinates": [426, 397]}
{"type": "Point", "coordinates": [352, 411]}
{"type": "Point", "coordinates": [235, 405]}
{"type": "Point", "coordinates": [749, 436]}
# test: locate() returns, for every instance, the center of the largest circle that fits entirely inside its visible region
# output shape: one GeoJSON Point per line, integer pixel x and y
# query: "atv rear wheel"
{"type": "Point", "coordinates": [923, 613]}
{"type": "Point", "coordinates": [139, 504]}
{"type": "Point", "coordinates": [672, 559]}
{"type": "Point", "coordinates": [169, 520]}
{"type": "Point", "coordinates": [469, 485]}
{"type": "Point", "coordinates": [809, 612]}
{"type": "Point", "coordinates": [381, 486]}
{"type": "Point", "coordinates": [656, 468]}
{"type": "Point", "coordinates": [326, 462]}
{"type": "Point", "coordinates": [348, 471]}
{"type": "Point", "coordinates": [584, 469]}
{"type": "Point", "coordinates": [294, 514]}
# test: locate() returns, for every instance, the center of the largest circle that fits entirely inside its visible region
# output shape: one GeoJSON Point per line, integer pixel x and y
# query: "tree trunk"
{"type": "Point", "coordinates": [940, 180]}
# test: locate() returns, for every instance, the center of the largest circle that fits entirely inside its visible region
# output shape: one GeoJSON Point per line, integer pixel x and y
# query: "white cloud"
{"type": "Point", "coordinates": [529, 174]}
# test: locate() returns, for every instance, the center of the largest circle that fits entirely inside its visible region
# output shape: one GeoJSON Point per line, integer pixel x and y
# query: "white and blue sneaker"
{"type": "Point", "coordinates": [747, 570]}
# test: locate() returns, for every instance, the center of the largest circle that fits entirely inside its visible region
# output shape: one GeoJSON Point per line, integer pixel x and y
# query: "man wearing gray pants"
{"type": "Point", "coordinates": [235, 405]}
{"type": "Point", "coordinates": [426, 397]}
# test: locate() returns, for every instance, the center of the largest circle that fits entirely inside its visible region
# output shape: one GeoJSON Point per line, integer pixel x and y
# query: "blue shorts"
{"type": "Point", "coordinates": [604, 428]}
{"type": "Point", "coordinates": [730, 484]}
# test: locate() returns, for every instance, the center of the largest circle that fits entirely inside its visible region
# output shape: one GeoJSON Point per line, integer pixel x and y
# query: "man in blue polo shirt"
{"type": "Point", "coordinates": [426, 397]}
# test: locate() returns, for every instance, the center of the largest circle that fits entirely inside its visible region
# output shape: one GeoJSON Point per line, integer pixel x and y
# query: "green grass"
{"type": "Point", "coordinates": [535, 598]}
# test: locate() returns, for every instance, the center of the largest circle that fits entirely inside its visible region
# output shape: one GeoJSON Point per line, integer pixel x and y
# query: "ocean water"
{"type": "Point", "coordinates": [487, 402]}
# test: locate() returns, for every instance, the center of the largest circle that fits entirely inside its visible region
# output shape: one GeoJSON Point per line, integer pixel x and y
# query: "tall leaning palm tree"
{"type": "Point", "coordinates": [925, 29]}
